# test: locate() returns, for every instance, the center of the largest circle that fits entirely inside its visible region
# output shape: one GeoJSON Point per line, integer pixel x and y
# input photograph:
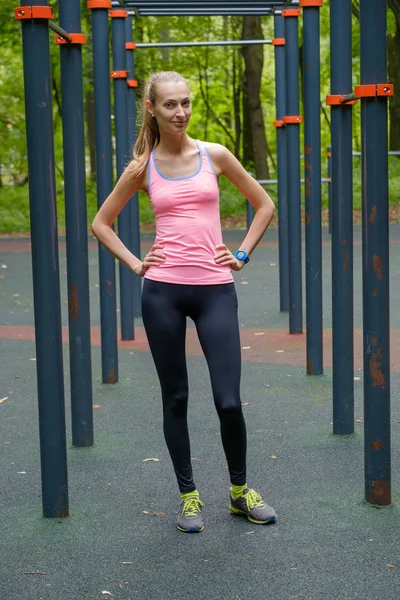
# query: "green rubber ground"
{"type": "Point", "coordinates": [120, 540]}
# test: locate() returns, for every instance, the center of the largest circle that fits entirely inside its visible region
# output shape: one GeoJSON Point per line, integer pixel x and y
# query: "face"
{"type": "Point", "coordinates": [172, 108]}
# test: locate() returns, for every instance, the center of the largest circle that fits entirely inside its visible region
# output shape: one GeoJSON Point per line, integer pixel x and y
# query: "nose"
{"type": "Point", "coordinates": [180, 112]}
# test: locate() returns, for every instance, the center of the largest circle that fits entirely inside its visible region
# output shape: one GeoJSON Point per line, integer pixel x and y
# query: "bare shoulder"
{"type": "Point", "coordinates": [216, 151]}
{"type": "Point", "coordinates": [138, 181]}
{"type": "Point", "coordinates": [218, 155]}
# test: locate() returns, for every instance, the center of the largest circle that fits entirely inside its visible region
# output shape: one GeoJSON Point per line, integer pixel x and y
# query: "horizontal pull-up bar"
{"type": "Point", "coordinates": [191, 44]}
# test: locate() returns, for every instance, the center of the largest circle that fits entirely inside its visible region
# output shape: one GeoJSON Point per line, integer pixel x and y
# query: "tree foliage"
{"type": "Point", "coordinates": [224, 107]}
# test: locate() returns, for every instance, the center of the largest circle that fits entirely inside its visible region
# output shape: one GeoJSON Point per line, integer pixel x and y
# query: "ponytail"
{"type": "Point", "coordinates": [149, 135]}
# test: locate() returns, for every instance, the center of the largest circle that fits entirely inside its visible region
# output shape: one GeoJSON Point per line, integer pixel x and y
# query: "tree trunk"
{"type": "Point", "coordinates": [394, 77]}
{"type": "Point", "coordinates": [254, 59]}
{"type": "Point", "coordinates": [247, 137]}
{"type": "Point", "coordinates": [236, 103]}
{"type": "Point", "coordinates": [164, 37]}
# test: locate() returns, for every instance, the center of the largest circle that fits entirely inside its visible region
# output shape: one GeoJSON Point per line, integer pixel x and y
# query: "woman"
{"type": "Point", "coordinates": [188, 273]}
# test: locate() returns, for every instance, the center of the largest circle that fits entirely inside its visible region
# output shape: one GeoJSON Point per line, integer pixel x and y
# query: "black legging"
{"type": "Point", "coordinates": [213, 309]}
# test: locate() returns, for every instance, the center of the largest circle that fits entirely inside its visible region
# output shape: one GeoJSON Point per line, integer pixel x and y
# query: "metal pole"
{"type": "Point", "coordinates": [119, 75]}
{"type": "Point", "coordinates": [329, 176]}
{"type": "Point", "coordinates": [375, 194]}
{"type": "Point", "coordinates": [312, 169]}
{"type": "Point", "coordinates": [102, 104]}
{"type": "Point", "coordinates": [292, 121]}
{"type": "Point", "coordinates": [201, 44]}
{"type": "Point", "coordinates": [76, 227]}
{"type": "Point", "coordinates": [134, 201]}
{"type": "Point", "coordinates": [283, 228]}
{"type": "Point", "coordinates": [342, 221]}
{"type": "Point", "coordinates": [46, 281]}
{"type": "Point", "coordinates": [249, 214]}
{"type": "Point", "coordinates": [61, 32]}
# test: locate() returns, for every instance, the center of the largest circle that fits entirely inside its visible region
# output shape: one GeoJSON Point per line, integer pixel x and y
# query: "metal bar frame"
{"type": "Point", "coordinates": [45, 265]}
{"type": "Point", "coordinates": [104, 173]}
{"type": "Point", "coordinates": [201, 44]}
{"type": "Point", "coordinates": [375, 251]}
{"type": "Point", "coordinates": [342, 221]}
{"type": "Point", "coordinates": [281, 150]}
{"type": "Point", "coordinates": [122, 157]}
{"type": "Point", "coordinates": [61, 32]}
{"type": "Point", "coordinates": [293, 175]}
{"type": "Point", "coordinates": [312, 167]}
{"type": "Point", "coordinates": [134, 201]}
{"type": "Point", "coordinates": [76, 229]}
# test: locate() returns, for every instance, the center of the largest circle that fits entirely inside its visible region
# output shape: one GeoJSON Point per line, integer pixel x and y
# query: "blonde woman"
{"type": "Point", "coordinates": [188, 273]}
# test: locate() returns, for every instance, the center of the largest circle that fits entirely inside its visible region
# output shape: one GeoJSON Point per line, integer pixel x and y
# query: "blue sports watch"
{"type": "Point", "coordinates": [242, 255]}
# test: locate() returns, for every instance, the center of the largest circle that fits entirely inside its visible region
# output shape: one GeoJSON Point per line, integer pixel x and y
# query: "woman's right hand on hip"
{"type": "Point", "coordinates": [154, 258]}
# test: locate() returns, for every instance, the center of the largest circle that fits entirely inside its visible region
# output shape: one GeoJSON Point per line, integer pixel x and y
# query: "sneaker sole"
{"type": "Point", "coordinates": [192, 530]}
{"type": "Point", "coordinates": [240, 513]}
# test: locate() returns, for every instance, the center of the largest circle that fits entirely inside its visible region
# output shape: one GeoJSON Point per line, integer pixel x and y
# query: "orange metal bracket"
{"type": "Point", "coordinates": [34, 12]}
{"type": "Point", "coordinates": [329, 154]}
{"type": "Point", "coordinates": [75, 38]}
{"type": "Point", "coordinates": [311, 3]}
{"type": "Point", "coordinates": [279, 41]}
{"type": "Point", "coordinates": [279, 123]}
{"type": "Point", "coordinates": [370, 90]}
{"type": "Point", "coordinates": [292, 120]}
{"type": "Point", "coordinates": [118, 14]}
{"type": "Point", "coordinates": [132, 83]}
{"type": "Point", "coordinates": [130, 46]}
{"type": "Point", "coordinates": [378, 89]}
{"type": "Point", "coordinates": [119, 74]}
{"type": "Point", "coordinates": [337, 100]}
{"type": "Point", "coordinates": [291, 12]}
{"type": "Point", "coordinates": [99, 4]}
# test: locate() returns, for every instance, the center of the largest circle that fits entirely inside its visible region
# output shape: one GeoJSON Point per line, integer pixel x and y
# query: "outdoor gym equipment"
{"type": "Point", "coordinates": [373, 92]}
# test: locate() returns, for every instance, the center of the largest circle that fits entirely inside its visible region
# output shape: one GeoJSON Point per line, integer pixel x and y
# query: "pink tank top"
{"type": "Point", "coordinates": [188, 224]}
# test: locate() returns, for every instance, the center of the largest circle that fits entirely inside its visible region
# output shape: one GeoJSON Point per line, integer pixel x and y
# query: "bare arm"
{"type": "Point", "coordinates": [101, 227]}
{"type": "Point", "coordinates": [225, 163]}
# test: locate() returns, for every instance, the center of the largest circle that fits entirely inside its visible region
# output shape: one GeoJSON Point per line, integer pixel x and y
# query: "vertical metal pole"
{"type": "Point", "coordinates": [312, 167]}
{"type": "Point", "coordinates": [280, 100]}
{"type": "Point", "coordinates": [134, 201]}
{"type": "Point", "coordinates": [45, 266]}
{"type": "Point", "coordinates": [329, 177]}
{"type": "Point", "coordinates": [122, 155]}
{"type": "Point", "coordinates": [76, 226]}
{"type": "Point", "coordinates": [102, 104]}
{"type": "Point", "coordinates": [249, 214]}
{"type": "Point", "coordinates": [342, 221]}
{"type": "Point", "coordinates": [374, 128]}
{"type": "Point", "coordinates": [292, 121]}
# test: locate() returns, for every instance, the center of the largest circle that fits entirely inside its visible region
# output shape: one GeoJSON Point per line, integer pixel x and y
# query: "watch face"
{"type": "Point", "coordinates": [241, 254]}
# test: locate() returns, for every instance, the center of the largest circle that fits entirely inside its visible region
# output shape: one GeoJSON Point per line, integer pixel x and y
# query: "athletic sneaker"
{"type": "Point", "coordinates": [253, 507]}
{"type": "Point", "coordinates": [189, 518]}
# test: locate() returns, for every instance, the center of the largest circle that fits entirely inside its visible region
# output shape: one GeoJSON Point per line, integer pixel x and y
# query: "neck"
{"type": "Point", "coordinates": [176, 144]}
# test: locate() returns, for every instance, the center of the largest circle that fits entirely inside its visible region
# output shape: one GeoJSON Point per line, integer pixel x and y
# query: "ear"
{"type": "Point", "coordinates": [149, 107]}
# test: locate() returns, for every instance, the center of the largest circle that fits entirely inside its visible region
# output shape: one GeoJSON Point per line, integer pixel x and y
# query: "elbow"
{"type": "Point", "coordinates": [93, 228]}
{"type": "Point", "coordinates": [272, 207]}
{"type": "Point", "coordinates": [96, 227]}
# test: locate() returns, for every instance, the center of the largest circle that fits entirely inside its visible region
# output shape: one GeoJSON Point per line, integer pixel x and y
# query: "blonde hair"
{"type": "Point", "coordinates": [149, 135]}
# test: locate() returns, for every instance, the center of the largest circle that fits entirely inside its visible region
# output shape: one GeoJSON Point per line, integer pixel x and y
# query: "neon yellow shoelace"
{"type": "Point", "coordinates": [192, 507]}
{"type": "Point", "coordinates": [253, 500]}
